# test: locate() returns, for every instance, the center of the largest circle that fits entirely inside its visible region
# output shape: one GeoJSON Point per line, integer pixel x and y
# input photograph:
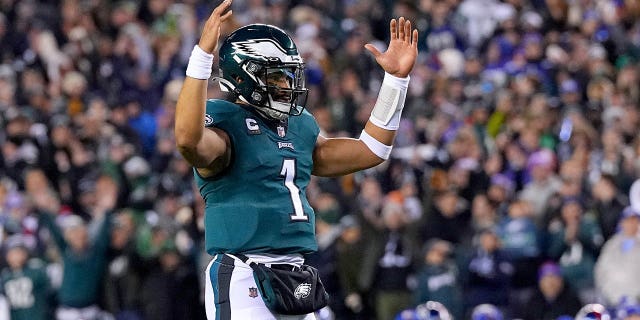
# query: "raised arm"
{"type": "Point", "coordinates": [46, 205]}
{"type": "Point", "coordinates": [206, 149]}
{"type": "Point", "coordinates": [340, 156]}
{"type": "Point", "coordinates": [107, 189]}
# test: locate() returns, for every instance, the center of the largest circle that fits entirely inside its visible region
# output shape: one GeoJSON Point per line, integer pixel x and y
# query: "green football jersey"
{"type": "Point", "coordinates": [258, 204]}
{"type": "Point", "coordinates": [27, 291]}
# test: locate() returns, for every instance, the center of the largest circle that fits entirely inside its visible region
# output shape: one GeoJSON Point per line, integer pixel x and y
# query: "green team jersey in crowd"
{"type": "Point", "coordinates": [82, 272]}
{"type": "Point", "coordinates": [258, 204]}
{"type": "Point", "coordinates": [27, 291]}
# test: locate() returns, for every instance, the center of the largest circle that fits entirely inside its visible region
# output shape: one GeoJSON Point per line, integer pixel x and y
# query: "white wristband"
{"type": "Point", "coordinates": [200, 64]}
{"type": "Point", "coordinates": [388, 108]}
{"type": "Point", "coordinates": [378, 148]}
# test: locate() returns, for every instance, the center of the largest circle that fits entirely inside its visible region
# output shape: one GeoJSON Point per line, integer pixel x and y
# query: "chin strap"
{"type": "Point", "coordinates": [227, 86]}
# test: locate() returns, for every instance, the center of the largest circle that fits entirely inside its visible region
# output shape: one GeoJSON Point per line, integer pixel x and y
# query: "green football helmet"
{"type": "Point", "coordinates": [260, 64]}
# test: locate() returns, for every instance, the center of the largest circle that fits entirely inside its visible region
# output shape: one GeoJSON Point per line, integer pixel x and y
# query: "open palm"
{"type": "Point", "coordinates": [401, 54]}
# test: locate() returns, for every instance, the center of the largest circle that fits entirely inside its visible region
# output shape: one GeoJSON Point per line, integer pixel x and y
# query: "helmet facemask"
{"type": "Point", "coordinates": [276, 89]}
{"type": "Point", "coordinates": [279, 88]}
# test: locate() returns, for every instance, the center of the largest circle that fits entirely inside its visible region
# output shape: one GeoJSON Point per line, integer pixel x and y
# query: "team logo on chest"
{"type": "Point", "coordinates": [253, 292]}
{"type": "Point", "coordinates": [252, 125]}
{"type": "Point", "coordinates": [288, 145]}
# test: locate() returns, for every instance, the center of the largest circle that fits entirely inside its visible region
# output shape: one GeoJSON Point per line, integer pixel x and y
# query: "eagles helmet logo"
{"type": "Point", "coordinates": [263, 48]}
{"type": "Point", "coordinates": [302, 291]}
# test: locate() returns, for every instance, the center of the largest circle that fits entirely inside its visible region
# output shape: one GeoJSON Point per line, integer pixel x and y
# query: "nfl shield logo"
{"type": "Point", "coordinates": [281, 131]}
{"type": "Point", "coordinates": [253, 292]}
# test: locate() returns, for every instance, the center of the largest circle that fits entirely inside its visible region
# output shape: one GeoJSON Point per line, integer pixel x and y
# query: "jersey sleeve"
{"type": "Point", "coordinates": [218, 111]}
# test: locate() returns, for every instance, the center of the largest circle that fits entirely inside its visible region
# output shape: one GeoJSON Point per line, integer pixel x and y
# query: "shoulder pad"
{"type": "Point", "coordinates": [218, 110]}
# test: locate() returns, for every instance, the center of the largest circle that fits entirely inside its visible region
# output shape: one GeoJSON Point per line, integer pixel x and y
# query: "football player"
{"type": "Point", "coordinates": [254, 155]}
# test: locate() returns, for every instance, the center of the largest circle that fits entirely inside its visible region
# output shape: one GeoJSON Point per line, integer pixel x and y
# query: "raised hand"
{"type": "Point", "coordinates": [211, 31]}
{"type": "Point", "coordinates": [402, 52]}
{"type": "Point", "coordinates": [46, 201]}
{"type": "Point", "coordinates": [106, 194]}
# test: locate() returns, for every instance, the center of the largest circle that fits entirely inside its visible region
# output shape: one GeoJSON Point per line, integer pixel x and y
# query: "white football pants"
{"type": "Point", "coordinates": [231, 293]}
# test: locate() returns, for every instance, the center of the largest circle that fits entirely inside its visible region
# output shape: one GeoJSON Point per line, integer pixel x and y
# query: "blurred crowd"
{"type": "Point", "coordinates": [510, 192]}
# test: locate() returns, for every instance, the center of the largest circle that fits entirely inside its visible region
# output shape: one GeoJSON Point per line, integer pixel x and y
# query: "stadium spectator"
{"type": "Point", "coordinates": [328, 231]}
{"type": "Point", "coordinates": [608, 206]}
{"type": "Point", "coordinates": [572, 176]}
{"type": "Point", "coordinates": [521, 243]}
{"type": "Point", "coordinates": [552, 298]}
{"type": "Point", "coordinates": [448, 218]}
{"type": "Point", "coordinates": [438, 278]}
{"type": "Point", "coordinates": [170, 289]}
{"type": "Point", "coordinates": [389, 260]}
{"type": "Point", "coordinates": [483, 214]}
{"type": "Point", "coordinates": [544, 183]}
{"type": "Point", "coordinates": [496, 86]}
{"type": "Point", "coordinates": [574, 240]}
{"type": "Point", "coordinates": [25, 283]}
{"type": "Point", "coordinates": [351, 248]}
{"type": "Point", "coordinates": [487, 272]}
{"type": "Point", "coordinates": [84, 258]}
{"type": "Point", "coordinates": [123, 281]}
{"type": "Point", "coordinates": [616, 273]}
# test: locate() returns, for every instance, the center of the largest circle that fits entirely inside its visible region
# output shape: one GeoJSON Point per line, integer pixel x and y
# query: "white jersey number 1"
{"type": "Point", "coordinates": [289, 173]}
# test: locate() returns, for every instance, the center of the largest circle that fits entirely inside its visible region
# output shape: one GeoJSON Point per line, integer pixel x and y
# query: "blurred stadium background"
{"type": "Point", "coordinates": [511, 186]}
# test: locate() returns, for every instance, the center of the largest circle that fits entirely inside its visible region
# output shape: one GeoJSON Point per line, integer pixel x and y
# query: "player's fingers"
{"type": "Point", "coordinates": [226, 16]}
{"type": "Point", "coordinates": [393, 29]}
{"type": "Point", "coordinates": [220, 8]}
{"type": "Point", "coordinates": [371, 48]}
{"type": "Point", "coordinates": [414, 41]}
{"type": "Point", "coordinates": [407, 31]}
{"type": "Point", "coordinates": [401, 28]}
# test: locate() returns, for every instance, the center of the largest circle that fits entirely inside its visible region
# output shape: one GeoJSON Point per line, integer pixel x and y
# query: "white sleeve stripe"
{"type": "Point", "coordinates": [378, 148]}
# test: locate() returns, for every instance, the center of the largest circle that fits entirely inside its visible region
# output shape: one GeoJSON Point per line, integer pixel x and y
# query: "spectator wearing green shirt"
{"type": "Point", "coordinates": [24, 283]}
{"type": "Point", "coordinates": [574, 240]}
{"type": "Point", "coordinates": [84, 260]}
